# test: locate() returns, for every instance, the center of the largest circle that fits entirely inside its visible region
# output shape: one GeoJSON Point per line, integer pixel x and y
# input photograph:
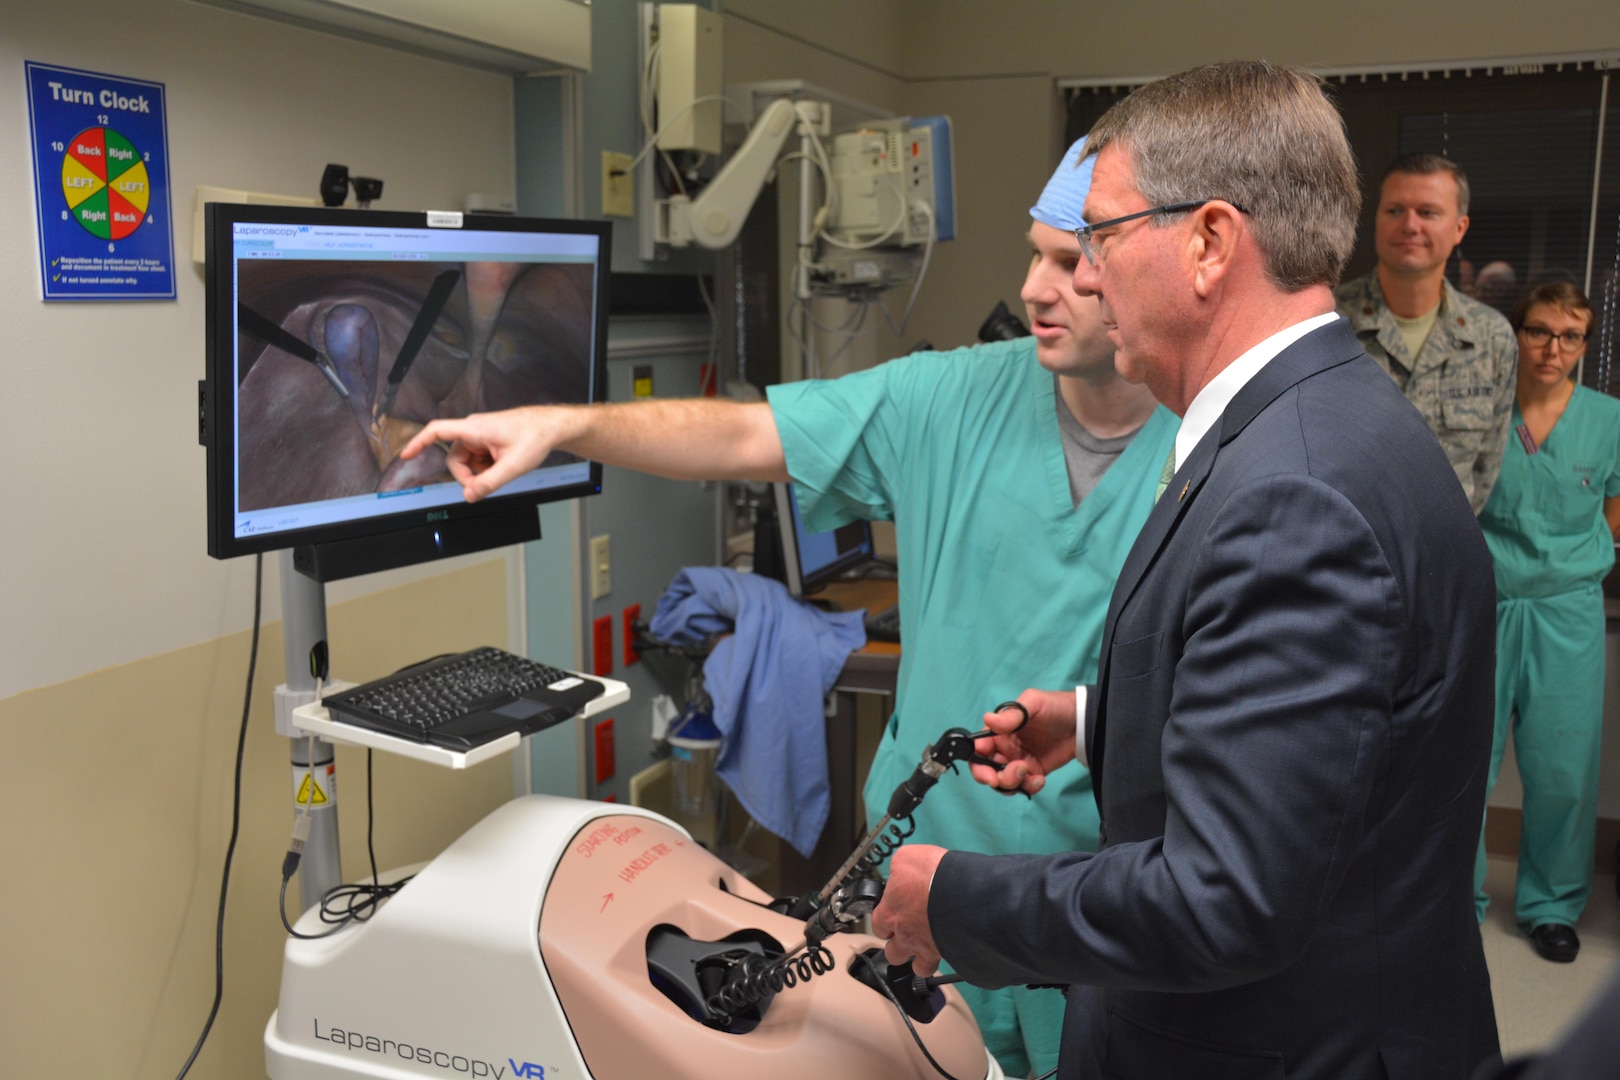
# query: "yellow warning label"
{"type": "Point", "coordinates": [316, 787]}
{"type": "Point", "coordinates": [310, 793]}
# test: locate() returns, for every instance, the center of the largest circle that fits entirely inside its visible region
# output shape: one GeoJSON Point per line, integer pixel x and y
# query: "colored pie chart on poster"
{"type": "Point", "coordinates": [105, 183]}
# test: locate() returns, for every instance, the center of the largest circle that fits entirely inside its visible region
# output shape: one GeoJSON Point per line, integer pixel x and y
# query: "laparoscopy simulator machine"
{"type": "Point", "coordinates": [561, 939]}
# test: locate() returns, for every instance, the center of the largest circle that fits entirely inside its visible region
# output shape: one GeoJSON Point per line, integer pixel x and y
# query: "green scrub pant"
{"type": "Point", "coordinates": [1549, 689]}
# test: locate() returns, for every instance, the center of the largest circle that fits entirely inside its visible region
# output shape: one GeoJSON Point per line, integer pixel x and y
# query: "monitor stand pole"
{"type": "Point", "coordinates": [303, 622]}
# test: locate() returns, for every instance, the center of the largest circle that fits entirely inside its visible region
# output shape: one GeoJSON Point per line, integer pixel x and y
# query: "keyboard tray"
{"type": "Point", "coordinates": [317, 720]}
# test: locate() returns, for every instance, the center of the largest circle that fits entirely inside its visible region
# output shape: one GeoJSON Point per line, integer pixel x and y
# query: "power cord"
{"type": "Point", "coordinates": [236, 821]}
{"type": "Point", "coordinates": [882, 984]}
{"type": "Point", "coordinates": [922, 272]}
{"type": "Point", "coordinates": [350, 903]}
{"type": "Point", "coordinates": [923, 986]}
{"type": "Point", "coordinates": [344, 904]}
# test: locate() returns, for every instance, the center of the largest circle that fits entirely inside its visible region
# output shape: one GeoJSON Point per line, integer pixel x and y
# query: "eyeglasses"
{"type": "Point", "coordinates": [1541, 335]}
{"type": "Point", "coordinates": [1091, 245]}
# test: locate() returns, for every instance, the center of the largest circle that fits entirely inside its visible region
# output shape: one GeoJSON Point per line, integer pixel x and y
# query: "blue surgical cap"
{"type": "Point", "coordinates": [1061, 203]}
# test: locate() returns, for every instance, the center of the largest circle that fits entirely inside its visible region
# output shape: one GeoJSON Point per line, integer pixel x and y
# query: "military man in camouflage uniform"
{"type": "Point", "coordinates": [1455, 358]}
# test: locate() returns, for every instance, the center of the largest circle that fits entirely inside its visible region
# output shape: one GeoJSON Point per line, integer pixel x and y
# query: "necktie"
{"type": "Point", "coordinates": [1166, 475]}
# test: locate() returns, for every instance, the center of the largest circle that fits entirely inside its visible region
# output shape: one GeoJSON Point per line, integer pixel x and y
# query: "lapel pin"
{"type": "Point", "coordinates": [1184, 488]}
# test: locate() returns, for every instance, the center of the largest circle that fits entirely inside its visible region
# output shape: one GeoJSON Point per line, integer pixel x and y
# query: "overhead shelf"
{"type": "Point", "coordinates": [516, 37]}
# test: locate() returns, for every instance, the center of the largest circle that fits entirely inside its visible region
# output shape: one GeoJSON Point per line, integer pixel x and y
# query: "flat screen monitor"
{"type": "Point", "coordinates": [811, 560]}
{"type": "Point", "coordinates": [335, 335]}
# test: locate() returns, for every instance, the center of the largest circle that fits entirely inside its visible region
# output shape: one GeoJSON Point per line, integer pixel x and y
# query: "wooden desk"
{"type": "Point", "coordinates": [870, 670]}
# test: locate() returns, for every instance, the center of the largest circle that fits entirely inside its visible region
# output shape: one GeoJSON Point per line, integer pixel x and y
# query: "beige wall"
{"type": "Point", "coordinates": [1091, 38]}
{"type": "Point", "coordinates": [769, 41]}
{"type": "Point", "coordinates": [119, 785]}
{"type": "Point", "coordinates": [918, 40]}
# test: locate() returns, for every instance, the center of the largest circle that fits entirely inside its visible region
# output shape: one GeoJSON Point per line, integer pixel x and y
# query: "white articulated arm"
{"type": "Point", "coordinates": [716, 216]}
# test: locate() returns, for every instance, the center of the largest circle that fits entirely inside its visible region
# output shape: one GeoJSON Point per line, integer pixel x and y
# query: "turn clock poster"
{"type": "Point", "coordinates": [101, 185]}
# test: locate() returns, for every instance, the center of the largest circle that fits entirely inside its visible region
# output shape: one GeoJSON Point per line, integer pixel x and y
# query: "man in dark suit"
{"type": "Point", "coordinates": [1291, 724]}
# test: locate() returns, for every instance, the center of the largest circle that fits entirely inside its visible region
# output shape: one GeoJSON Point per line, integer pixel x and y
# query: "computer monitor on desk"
{"type": "Point", "coordinates": [812, 560]}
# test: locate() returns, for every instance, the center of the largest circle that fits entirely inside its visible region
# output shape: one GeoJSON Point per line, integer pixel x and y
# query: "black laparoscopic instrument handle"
{"type": "Point", "coordinates": [953, 746]}
{"type": "Point", "coordinates": [850, 897]}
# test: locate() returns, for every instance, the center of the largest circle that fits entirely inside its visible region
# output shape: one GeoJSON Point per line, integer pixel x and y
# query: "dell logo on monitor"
{"type": "Point", "coordinates": [438, 515]}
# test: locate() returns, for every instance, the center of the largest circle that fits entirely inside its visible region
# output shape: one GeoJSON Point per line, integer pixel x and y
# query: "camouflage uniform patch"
{"type": "Point", "coordinates": [1463, 380]}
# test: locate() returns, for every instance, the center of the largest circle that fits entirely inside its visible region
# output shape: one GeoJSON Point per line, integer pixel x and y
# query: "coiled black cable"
{"type": "Point", "coordinates": [758, 978]}
{"type": "Point", "coordinates": [811, 962]}
{"type": "Point", "coordinates": [884, 846]}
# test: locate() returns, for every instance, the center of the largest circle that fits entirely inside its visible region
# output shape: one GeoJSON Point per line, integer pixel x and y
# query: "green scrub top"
{"type": "Point", "coordinates": [1544, 521]}
{"type": "Point", "coordinates": [1004, 582]}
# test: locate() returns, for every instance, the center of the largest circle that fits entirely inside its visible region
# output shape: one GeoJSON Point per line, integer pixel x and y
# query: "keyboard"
{"type": "Point", "coordinates": [465, 700]}
{"type": "Point", "coordinates": [883, 625]}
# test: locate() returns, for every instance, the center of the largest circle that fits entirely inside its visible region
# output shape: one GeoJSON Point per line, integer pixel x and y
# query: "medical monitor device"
{"type": "Point", "coordinates": [335, 335]}
{"type": "Point", "coordinates": [893, 183]}
{"type": "Point", "coordinates": [890, 195]}
{"type": "Point", "coordinates": [811, 560]}
{"type": "Point", "coordinates": [893, 197]}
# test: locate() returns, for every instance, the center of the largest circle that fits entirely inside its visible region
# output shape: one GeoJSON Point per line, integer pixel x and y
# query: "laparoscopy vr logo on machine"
{"type": "Point", "coordinates": [442, 1059]}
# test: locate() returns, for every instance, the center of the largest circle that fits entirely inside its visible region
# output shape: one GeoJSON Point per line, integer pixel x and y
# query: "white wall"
{"type": "Point", "coordinates": [123, 647]}
{"type": "Point", "coordinates": [104, 545]}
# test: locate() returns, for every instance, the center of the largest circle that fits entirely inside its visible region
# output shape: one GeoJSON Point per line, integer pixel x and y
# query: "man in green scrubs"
{"type": "Point", "coordinates": [1017, 475]}
{"type": "Point", "coordinates": [1550, 525]}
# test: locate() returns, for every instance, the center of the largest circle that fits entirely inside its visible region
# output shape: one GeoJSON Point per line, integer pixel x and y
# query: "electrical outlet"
{"type": "Point", "coordinates": [605, 764]}
{"type": "Point", "coordinates": [631, 614]}
{"type": "Point", "coordinates": [618, 185]}
{"type": "Point", "coordinates": [602, 646]}
{"type": "Point", "coordinates": [601, 567]}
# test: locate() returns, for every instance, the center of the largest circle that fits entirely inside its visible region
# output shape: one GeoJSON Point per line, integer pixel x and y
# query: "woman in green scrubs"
{"type": "Point", "coordinates": [1550, 524]}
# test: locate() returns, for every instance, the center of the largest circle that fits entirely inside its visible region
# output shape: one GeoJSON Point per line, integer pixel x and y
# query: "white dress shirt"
{"type": "Point", "coordinates": [1202, 415]}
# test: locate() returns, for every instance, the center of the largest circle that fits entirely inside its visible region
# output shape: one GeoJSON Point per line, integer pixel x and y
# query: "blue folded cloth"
{"type": "Point", "coordinates": [767, 680]}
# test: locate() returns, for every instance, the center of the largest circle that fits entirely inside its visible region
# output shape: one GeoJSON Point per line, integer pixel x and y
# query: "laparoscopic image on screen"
{"type": "Point", "coordinates": [340, 363]}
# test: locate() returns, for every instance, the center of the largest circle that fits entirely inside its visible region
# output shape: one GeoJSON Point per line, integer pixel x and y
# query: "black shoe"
{"type": "Point", "coordinates": [1555, 942]}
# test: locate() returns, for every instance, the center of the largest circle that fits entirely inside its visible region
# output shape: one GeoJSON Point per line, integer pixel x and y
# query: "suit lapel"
{"type": "Point", "coordinates": [1317, 351]}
